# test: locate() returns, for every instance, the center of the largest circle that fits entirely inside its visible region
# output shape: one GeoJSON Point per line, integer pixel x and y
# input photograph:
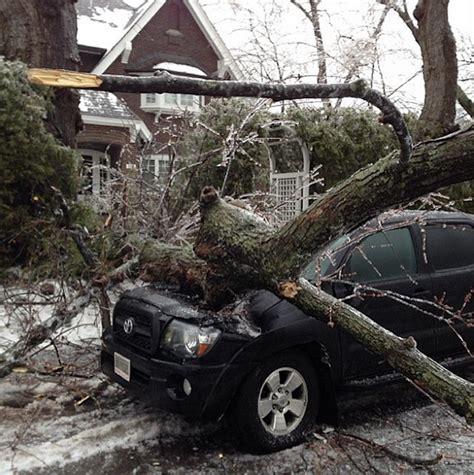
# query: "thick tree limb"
{"type": "Point", "coordinates": [268, 259]}
{"type": "Point", "coordinates": [279, 256]}
{"type": "Point", "coordinates": [400, 353]}
{"type": "Point", "coordinates": [440, 70]}
{"type": "Point", "coordinates": [166, 82]}
{"type": "Point", "coordinates": [463, 99]}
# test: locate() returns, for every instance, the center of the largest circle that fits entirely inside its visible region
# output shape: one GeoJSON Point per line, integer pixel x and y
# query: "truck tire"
{"type": "Point", "coordinates": [277, 403]}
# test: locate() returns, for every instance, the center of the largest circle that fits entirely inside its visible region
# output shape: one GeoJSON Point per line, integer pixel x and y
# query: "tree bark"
{"type": "Point", "coordinates": [31, 31]}
{"type": "Point", "coordinates": [248, 245]}
{"type": "Point", "coordinates": [440, 70]}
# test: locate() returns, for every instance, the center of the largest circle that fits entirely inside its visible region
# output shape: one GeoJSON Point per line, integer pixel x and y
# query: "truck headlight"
{"type": "Point", "coordinates": [188, 341]}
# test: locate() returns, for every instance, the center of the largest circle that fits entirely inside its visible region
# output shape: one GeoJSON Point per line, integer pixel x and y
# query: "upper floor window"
{"type": "Point", "coordinates": [149, 98]}
{"type": "Point", "coordinates": [170, 103]}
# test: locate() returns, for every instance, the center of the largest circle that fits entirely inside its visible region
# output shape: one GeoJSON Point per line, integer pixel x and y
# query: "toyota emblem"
{"type": "Point", "coordinates": [128, 325]}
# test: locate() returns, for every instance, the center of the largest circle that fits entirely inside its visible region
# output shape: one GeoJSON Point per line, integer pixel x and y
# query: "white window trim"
{"type": "Point", "coordinates": [96, 167]}
{"type": "Point", "coordinates": [157, 158]}
{"type": "Point", "coordinates": [161, 106]}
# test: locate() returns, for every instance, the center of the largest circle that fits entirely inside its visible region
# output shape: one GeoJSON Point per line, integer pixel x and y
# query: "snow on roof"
{"type": "Point", "coordinates": [104, 104]}
{"type": "Point", "coordinates": [101, 23]}
{"type": "Point", "coordinates": [180, 68]}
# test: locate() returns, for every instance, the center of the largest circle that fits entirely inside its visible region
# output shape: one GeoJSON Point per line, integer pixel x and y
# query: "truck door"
{"type": "Point", "coordinates": [450, 256]}
{"type": "Point", "coordinates": [388, 262]}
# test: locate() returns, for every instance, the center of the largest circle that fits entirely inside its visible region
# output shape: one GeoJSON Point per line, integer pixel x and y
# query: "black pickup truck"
{"type": "Point", "coordinates": [275, 370]}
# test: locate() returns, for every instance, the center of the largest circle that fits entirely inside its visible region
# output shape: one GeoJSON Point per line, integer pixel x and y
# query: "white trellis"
{"type": "Point", "coordinates": [291, 190]}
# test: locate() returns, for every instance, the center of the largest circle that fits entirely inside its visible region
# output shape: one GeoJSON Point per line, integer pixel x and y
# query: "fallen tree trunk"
{"type": "Point", "coordinates": [272, 260]}
{"type": "Point", "coordinates": [248, 244]}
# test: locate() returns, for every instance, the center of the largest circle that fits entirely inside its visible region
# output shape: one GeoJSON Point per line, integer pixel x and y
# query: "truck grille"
{"type": "Point", "coordinates": [142, 335]}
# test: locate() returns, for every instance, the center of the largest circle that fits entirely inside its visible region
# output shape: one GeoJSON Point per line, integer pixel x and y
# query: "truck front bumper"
{"type": "Point", "coordinates": [160, 382]}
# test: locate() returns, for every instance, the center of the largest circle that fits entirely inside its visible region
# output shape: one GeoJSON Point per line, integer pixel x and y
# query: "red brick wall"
{"type": "Point", "coordinates": [113, 140]}
{"type": "Point", "coordinates": [103, 135]}
{"type": "Point", "coordinates": [153, 39]}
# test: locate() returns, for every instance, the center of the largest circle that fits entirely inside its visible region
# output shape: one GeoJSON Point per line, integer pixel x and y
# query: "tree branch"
{"type": "Point", "coordinates": [400, 353]}
{"type": "Point", "coordinates": [302, 9]}
{"type": "Point", "coordinates": [166, 82]}
{"type": "Point", "coordinates": [404, 15]}
{"type": "Point", "coordinates": [465, 102]}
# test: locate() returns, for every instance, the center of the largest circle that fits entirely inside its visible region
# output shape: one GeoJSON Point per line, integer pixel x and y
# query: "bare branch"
{"type": "Point", "coordinates": [465, 101]}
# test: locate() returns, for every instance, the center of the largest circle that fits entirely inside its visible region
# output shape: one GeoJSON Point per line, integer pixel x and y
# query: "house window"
{"type": "Point", "coordinates": [150, 98]}
{"type": "Point", "coordinates": [170, 103]}
{"type": "Point", "coordinates": [187, 100]}
{"type": "Point", "coordinates": [156, 168]}
{"type": "Point", "coordinates": [171, 99]}
{"type": "Point", "coordinates": [95, 172]}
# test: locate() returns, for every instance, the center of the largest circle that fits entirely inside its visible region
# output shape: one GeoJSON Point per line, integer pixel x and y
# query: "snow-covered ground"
{"type": "Point", "coordinates": [58, 414]}
{"type": "Point", "coordinates": [48, 427]}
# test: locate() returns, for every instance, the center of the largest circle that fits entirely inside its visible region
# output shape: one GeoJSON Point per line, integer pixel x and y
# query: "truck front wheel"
{"type": "Point", "coordinates": [277, 404]}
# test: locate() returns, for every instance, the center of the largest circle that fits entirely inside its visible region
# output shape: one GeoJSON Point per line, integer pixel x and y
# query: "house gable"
{"type": "Point", "coordinates": [182, 21]}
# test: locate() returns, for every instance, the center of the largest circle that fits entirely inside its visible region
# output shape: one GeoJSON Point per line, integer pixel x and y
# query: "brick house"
{"type": "Point", "coordinates": [140, 37]}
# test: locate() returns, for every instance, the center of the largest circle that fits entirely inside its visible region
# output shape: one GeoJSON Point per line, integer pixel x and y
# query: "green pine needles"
{"type": "Point", "coordinates": [32, 161]}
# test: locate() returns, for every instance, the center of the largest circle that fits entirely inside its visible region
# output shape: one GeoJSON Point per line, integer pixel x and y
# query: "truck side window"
{"type": "Point", "coordinates": [449, 247]}
{"type": "Point", "coordinates": [383, 255]}
{"type": "Point", "coordinates": [325, 261]}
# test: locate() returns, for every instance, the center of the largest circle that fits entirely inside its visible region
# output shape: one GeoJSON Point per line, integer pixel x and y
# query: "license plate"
{"type": "Point", "coordinates": [122, 366]}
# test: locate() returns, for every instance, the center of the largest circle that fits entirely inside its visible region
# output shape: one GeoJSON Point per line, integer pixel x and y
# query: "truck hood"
{"type": "Point", "coordinates": [169, 302]}
{"type": "Point", "coordinates": [175, 305]}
